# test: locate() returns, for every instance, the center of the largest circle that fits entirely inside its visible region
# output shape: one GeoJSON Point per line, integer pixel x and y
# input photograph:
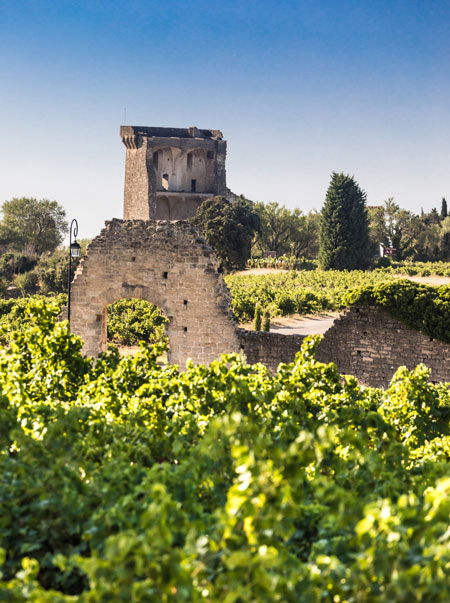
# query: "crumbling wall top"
{"type": "Point", "coordinates": [149, 132]}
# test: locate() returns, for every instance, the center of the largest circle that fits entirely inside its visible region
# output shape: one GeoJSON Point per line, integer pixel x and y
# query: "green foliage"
{"type": "Point", "coordinates": [13, 263]}
{"type": "Point", "coordinates": [419, 238]}
{"type": "Point", "coordinates": [286, 231]}
{"type": "Point", "coordinates": [124, 480]}
{"type": "Point", "coordinates": [283, 262]}
{"type": "Point", "coordinates": [32, 224]}
{"type": "Point", "coordinates": [344, 227]}
{"type": "Point", "coordinates": [15, 317]}
{"type": "Point", "coordinates": [53, 269]}
{"type": "Point", "coordinates": [304, 292]}
{"type": "Point", "coordinates": [229, 228]}
{"type": "Point", "coordinates": [420, 307]}
{"type": "Point", "coordinates": [133, 320]}
{"type": "Point", "coordinates": [27, 283]}
{"type": "Point", "coordinates": [258, 315]}
{"type": "Point", "coordinates": [313, 291]}
{"type": "Point", "coordinates": [266, 321]}
{"type": "Point", "coordinates": [418, 268]}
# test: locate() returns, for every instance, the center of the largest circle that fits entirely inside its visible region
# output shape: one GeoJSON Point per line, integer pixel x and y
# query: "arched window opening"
{"type": "Point", "coordinates": [165, 182]}
{"type": "Point", "coordinates": [189, 161]}
{"type": "Point", "coordinates": [155, 160]}
{"type": "Point", "coordinates": [130, 321]}
{"type": "Point", "coordinates": [193, 185]}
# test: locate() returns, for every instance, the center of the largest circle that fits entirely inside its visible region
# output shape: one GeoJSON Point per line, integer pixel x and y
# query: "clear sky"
{"type": "Point", "coordinates": [299, 88]}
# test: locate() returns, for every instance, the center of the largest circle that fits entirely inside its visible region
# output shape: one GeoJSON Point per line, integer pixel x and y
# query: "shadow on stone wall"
{"type": "Point", "coordinates": [365, 342]}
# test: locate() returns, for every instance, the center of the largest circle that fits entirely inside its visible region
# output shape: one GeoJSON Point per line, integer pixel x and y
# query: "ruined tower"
{"type": "Point", "coordinates": [169, 172]}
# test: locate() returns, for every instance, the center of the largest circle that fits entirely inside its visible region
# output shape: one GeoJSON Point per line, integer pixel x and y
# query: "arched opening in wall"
{"type": "Point", "coordinates": [165, 182]}
{"type": "Point", "coordinates": [130, 321]}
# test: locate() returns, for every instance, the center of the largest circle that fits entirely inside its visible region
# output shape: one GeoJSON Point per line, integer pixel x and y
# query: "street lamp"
{"type": "Point", "coordinates": [74, 252]}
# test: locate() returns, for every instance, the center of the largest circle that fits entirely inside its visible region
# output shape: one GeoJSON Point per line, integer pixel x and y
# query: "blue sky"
{"type": "Point", "coordinates": [299, 89]}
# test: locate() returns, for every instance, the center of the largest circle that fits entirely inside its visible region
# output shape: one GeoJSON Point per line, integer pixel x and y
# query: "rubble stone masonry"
{"type": "Point", "coordinates": [368, 343]}
{"type": "Point", "coordinates": [365, 342]}
{"type": "Point", "coordinates": [168, 264]}
{"type": "Point", "coordinates": [169, 172]}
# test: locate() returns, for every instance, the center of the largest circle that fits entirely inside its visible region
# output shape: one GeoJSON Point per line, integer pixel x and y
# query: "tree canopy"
{"type": "Point", "coordinates": [32, 225]}
{"type": "Point", "coordinates": [287, 231]}
{"type": "Point", "coordinates": [344, 228]}
{"type": "Point", "coordinates": [229, 227]}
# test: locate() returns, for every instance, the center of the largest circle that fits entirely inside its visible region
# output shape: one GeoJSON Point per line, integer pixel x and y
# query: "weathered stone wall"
{"type": "Point", "coordinates": [169, 172]}
{"type": "Point", "coordinates": [365, 342]}
{"type": "Point", "coordinates": [169, 265]}
{"type": "Point", "coordinates": [370, 344]}
{"type": "Point", "coordinates": [269, 348]}
{"type": "Point", "coordinates": [138, 195]}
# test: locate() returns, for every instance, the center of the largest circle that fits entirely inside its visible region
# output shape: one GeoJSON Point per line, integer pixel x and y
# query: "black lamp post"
{"type": "Point", "coordinates": [74, 252]}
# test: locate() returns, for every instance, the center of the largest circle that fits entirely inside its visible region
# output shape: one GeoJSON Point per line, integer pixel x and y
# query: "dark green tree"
{"type": "Point", "coordinates": [32, 225]}
{"type": "Point", "coordinates": [444, 212]}
{"type": "Point", "coordinates": [13, 263]}
{"type": "Point", "coordinates": [344, 228]}
{"type": "Point", "coordinates": [229, 228]}
{"type": "Point", "coordinates": [258, 316]}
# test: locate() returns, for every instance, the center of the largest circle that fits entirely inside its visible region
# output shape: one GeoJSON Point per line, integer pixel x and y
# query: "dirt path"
{"type": "Point", "coordinates": [316, 324]}
{"type": "Point", "coordinates": [307, 324]}
{"type": "Point", "coordinates": [257, 271]}
{"type": "Point", "coordinates": [426, 280]}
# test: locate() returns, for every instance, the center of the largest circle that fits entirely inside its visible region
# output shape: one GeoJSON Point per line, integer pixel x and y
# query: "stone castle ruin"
{"type": "Point", "coordinates": [169, 172]}
{"type": "Point", "coordinates": [167, 264]}
{"type": "Point", "coordinates": [156, 255]}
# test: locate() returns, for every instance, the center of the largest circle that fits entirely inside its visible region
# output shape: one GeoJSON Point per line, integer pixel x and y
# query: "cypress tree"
{"type": "Point", "coordinates": [444, 212]}
{"type": "Point", "coordinates": [344, 227]}
{"type": "Point", "coordinates": [258, 316]}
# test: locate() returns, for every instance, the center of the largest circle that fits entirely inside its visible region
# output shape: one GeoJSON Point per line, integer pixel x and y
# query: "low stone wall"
{"type": "Point", "coordinates": [269, 348]}
{"type": "Point", "coordinates": [368, 343]}
{"type": "Point", "coordinates": [365, 342]}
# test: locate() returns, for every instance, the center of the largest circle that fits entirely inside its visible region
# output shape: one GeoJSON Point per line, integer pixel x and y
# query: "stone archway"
{"type": "Point", "coordinates": [168, 264]}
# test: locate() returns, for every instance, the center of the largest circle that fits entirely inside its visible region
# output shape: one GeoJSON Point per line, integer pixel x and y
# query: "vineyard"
{"type": "Point", "coordinates": [124, 480]}
{"type": "Point", "coordinates": [293, 292]}
{"type": "Point", "coordinates": [387, 265]}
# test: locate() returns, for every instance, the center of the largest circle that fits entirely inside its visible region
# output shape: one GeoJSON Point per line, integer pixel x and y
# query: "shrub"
{"type": "Point", "coordinates": [420, 307]}
{"type": "Point", "coordinates": [27, 283]}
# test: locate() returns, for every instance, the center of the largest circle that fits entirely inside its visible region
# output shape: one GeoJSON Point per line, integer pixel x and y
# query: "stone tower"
{"type": "Point", "coordinates": [169, 172]}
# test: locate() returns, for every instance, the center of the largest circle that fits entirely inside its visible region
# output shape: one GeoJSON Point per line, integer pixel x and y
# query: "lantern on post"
{"type": "Point", "coordinates": [74, 252]}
